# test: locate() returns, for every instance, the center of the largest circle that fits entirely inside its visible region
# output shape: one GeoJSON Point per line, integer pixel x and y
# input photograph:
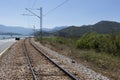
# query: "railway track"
{"type": "Point", "coordinates": [41, 66]}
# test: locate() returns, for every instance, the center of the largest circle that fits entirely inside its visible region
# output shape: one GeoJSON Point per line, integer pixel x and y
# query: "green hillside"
{"type": "Point", "coordinates": [102, 27]}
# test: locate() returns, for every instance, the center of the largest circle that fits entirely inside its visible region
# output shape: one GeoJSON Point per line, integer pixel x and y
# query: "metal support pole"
{"type": "Point", "coordinates": [34, 29]}
{"type": "Point", "coordinates": [41, 23]}
{"type": "Point", "coordinates": [40, 17]}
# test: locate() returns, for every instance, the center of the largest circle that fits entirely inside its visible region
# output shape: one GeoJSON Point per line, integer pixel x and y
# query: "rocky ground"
{"type": "Point", "coordinates": [79, 69]}
{"type": "Point", "coordinates": [13, 65]}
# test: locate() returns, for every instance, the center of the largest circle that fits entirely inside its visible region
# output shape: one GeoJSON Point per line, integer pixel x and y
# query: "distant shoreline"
{"type": "Point", "coordinates": [13, 36]}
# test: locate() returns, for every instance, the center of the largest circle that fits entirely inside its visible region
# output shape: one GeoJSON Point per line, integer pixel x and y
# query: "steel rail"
{"type": "Point", "coordinates": [29, 62]}
{"type": "Point", "coordinates": [65, 71]}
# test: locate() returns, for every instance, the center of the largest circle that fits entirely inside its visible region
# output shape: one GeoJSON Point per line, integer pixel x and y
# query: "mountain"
{"type": "Point", "coordinates": [54, 29]}
{"type": "Point", "coordinates": [58, 28]}
{"type": "Point", "coordinates": [102, 27]}
{"type": "Point", "coordinates": [15, 29]}
{"type": "Point", "coordinates": [25, 31]}
{"type": "Point", "coordinates": [46, 29]}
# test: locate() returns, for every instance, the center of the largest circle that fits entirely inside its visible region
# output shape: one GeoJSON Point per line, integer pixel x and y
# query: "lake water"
{"type": "Point", "coordinates": [8, 36]}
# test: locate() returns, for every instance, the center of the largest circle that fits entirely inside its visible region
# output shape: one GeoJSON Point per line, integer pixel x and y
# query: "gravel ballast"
{"type": "Point", "coordinates": [80, 70]}
{"type": "Point", "coordinates": [13, 64]}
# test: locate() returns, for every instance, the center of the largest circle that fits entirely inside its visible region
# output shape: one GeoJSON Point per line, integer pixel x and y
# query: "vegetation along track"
{"type": "Point", "coordinates": [41, 66]}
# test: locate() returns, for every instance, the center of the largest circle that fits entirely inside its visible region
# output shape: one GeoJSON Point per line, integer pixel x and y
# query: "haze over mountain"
{"type": "Point", "coordinates": [15, 29]}
{"type": "Point", "coordinates": [25, 31]}
{"type": "Point", "coordinates": [103, 27]}
{"type": "Point", "coordinates": [58, 28]}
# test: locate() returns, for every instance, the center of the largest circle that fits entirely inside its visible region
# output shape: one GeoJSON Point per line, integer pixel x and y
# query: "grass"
{"type": "Point", "coordinates": [105, 63]}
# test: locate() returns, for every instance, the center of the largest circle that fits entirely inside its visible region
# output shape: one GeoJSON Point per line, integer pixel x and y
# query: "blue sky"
{"type": "Point", "coordinates": [74, 12]}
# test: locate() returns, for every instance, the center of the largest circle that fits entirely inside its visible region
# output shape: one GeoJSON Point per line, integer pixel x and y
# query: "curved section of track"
{"type": "Point", "coordinates": [41, 66]}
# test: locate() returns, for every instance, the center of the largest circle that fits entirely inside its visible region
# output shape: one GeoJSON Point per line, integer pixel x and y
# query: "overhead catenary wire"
{"type": "Point", "coordinates": [41, 15]}
{"type": "Point", "coordinates": [56, 7]}
{"type": "Point", "coordinates": [51, 9]}
{"type": "Point", "coordinates": [27, 14]}
{"type": "Point", "coordinates": [32, 12]}
{"type": "Point", "coordinates": [34, 3]}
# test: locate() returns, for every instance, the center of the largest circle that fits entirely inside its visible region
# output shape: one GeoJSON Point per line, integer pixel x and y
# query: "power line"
{"type": "Point", "coordinates": [56, 7]}
{"type": "Point", "coordinates": [34, 3]}
{"type": "Point", "coordinates": [40, 17]}
{"type": "Point", "coordinates": [32, 12]}
{"type": "Point", "coordinates": [27, 14]}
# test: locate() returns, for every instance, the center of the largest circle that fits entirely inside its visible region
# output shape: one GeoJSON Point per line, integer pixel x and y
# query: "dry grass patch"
{"type": "Point", "coordinates": [101, 62]}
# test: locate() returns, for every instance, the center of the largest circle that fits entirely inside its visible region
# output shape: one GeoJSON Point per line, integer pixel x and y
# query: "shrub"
{"type": "Point", "coordinates": [101, 42]}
